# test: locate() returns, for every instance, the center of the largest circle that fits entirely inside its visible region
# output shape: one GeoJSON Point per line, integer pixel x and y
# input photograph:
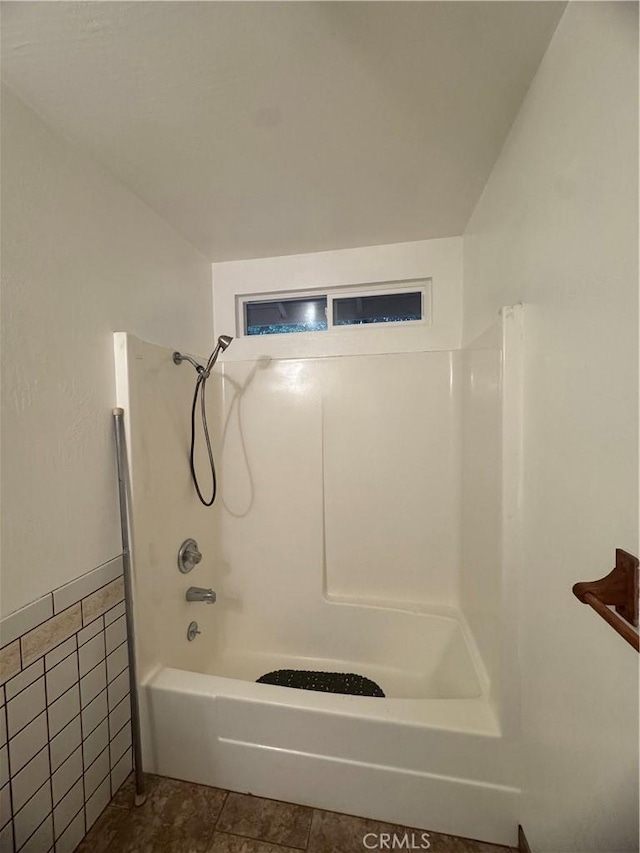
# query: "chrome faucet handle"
{"type": "Point", "coordinates": [188, 556]}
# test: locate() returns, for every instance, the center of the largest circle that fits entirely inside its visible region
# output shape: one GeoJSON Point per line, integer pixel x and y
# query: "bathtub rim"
{"type": "Point", "coordinates": [470, 716]}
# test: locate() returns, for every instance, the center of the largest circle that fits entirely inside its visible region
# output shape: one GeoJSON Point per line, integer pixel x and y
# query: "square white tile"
{"type": "Point", "coordinates": [24, 679]}
{"type": "Point", "coordinates": [3, 727]}
{"type": "Point", "coordinates": [91, 653]}
{"type": "Point", "coordinates": [115, 613]}
{"type": "Point", "coordinates": [68, 808]}
{"type": "Point", "coordinates": [64, 743]}
{"type": "Point", "coordinates": [31, 815]}
{"type": "Point", "coordinates": [67, 775]}
{"type": "Point", "coordinates": [6, 839]}
{"type": "Point", "coordinates": [121, 771]}
{"type": "Point", "coordinates": [117, 661]}
{"type": "Point", "coordinates": [94, 713]}
{"type": "Point", "coordinates": [25, 783]}
{"type": "Point", "coordinates": [4, 765]}
{"type": "Point", "coordinates": [120, 743]}
{"type": "Point", "coordinates": [92, 683]}
{"type": "Point", "coordinates": [95, 743]}
{"type": "Point", "coordinates": [60, 652]}
{"type": "Point", "coordinates": [63, 710]}
{"type": "Point", "coordinates": [97, 803]}
{"type": "Point", "coordinates": [119, 716]}
{"type": "Point", "coordinates": [5, 804]}
{"type": "Point", "coordinates": [116, 633]}
{"type": "Point", "coordinates": [95, 773]}
{"type": "Point", "coordinates": [118, 688]}
{"type": "Point", "coordinates": [61, 677]}
{"type": "Point", "coordinates": [72, 836]}
{"type": "Point", "coordinates": [28, 742]}
{"type": "Point", "coordinates": [90, 631]}
{"type": "Point", "coordinates": [41, 840]}
{"type": "Point", "coordinates": [25, 706]}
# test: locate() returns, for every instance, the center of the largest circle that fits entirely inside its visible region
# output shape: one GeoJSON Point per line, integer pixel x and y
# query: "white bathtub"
{"type": "Point", "coordinates": [430, 755]}
{"type": "Point", "coordinates": [311, 557]}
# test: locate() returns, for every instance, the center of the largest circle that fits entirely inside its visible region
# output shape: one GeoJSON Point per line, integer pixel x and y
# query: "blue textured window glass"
{"type": "Point", "coordinates": [383, 308]}
{"type": "Point", "coordinates": [279, 316]}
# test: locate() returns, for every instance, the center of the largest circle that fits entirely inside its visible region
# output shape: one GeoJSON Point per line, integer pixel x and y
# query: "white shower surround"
{"type": "Point", "coordinates": [440, 752]}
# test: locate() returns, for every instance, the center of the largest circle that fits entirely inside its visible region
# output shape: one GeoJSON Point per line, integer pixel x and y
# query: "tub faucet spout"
{"type": "Point", "coordinates": [198, 593]}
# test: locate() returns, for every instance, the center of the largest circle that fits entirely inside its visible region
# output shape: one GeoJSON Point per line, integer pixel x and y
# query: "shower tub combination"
{"type": "Point", "coordinates": [439, 750]}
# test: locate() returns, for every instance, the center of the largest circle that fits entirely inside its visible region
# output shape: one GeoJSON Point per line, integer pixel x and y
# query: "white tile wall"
{"type": "Point", "coordinates": [60, 652]}
{"type": "Point", "coordinates": [4, 766]}
{"type": "Point", "coordinates": [65, 731]}
{"type": "Point", "coordinates": [96, 773]}
{"type": "Point", "coordinates": [91, 630]}
{"type": "Point", "coordinates": [68, 808]}
{"type": "Point", "coordinates": [118, 688]}
{"type": "Point", "coordinates": [116, 634]}
{"type": "Point", "coordinates": [24, 679]}
{"type": "Point", "coordinates": [97, 802]}
{"type": "Point", "coordinates": [119, 715]}
{"type": "Point", "coordinates": [31, 815]}
{"type": "Point", "coordinates": [92, 683]}
{"type": "Point", "coordinates": [64, 743]}
{"type": "Point", "coordinates": [25, 706]}
{"type": "Point", "coordinates": [63, 710]}
{"type": "Point", "coordinates": [94, 713]}
{"type": "Point", "coordinates": [92, 653]}
{"type": "Point", "coordinates": [66, 776]}
{"type": "Point", "coordinates": [6, 839]}
{"type": "Point", "coordinates": [117, 662]}
{"type": "Point", "coordinates": [72, 836]}
{"type": "Point", "coordinates": [5, 805]}
{"type": "Point", "coordinates": [113, 614]}
{"type": "Point", "coordinates": [41, 840]}
{"type": "Point", "coordinates": [26, 782]}
{"type": "Point", "coordinates": [28, 742]}
{"type": "Point", "coordinates": [61, 678]}
{"type": "Point", "coordinates": [95, 743]}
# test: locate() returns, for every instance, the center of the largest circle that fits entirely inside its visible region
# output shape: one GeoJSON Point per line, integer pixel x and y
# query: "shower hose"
{"type": "Point", "coordinates": [200, 389]}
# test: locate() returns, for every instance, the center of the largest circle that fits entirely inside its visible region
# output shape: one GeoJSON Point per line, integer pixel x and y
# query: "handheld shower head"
{"type": "Point", "coordinates": [201, 382]}
{"type": "Point", "coordinates": [223, 343]}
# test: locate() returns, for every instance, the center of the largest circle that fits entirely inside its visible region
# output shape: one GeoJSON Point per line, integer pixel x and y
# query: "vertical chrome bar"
{"type": "Point", "coordinates": [121, 457]}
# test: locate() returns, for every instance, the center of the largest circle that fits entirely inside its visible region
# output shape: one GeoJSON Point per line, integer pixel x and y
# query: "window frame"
{"type": "Point", "coordinates": [424, 286]}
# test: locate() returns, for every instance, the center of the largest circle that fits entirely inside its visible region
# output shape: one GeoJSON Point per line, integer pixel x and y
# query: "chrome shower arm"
{"type": "Point", "coordinates": [178, 358]}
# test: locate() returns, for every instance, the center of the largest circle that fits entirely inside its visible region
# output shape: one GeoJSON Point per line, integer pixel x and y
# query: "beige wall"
{"type": "Point", "coordinates": [81, 257]}
{"type": "Point", "coordinates": [557, 228]}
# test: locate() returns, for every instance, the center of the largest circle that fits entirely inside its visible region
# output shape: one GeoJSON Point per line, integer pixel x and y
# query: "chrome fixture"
{"type": "Point", "coordinates": [203, 372]}
{"type": "Point", "coordinates": [201, 383]}
{"type": "Point", "coordinates": [198, 593]}
{"type": "Point", "coordinates": [188, 556]}
{"type": "Point", "coordinates": [192, 631]}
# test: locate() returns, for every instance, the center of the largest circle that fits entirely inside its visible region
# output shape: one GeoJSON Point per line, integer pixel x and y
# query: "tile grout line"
{"type": "Point", "coordinates": [46, 708]}
{"type": "Point", "coordinates": [84, 789]}
{"type": "Point", "coordinates": [5, 711]}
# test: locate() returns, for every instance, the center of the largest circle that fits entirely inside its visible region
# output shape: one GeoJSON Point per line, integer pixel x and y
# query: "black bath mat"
{"type": "Point", "coordinates": [326, 682]}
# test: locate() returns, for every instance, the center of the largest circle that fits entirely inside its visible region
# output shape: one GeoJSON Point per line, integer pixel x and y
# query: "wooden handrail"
{"type": "Point", "coordinates": [618, 589]}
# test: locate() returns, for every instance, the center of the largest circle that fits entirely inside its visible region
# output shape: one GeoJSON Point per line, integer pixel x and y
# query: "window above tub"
{"type": "Point", "coordinates": [339, 309]}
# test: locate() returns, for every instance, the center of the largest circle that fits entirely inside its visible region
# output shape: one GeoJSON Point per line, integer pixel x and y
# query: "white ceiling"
{"type": "Point", "coordinates": [261, 129]}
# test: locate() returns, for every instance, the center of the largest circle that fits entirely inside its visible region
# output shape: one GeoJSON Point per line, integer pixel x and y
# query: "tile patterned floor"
{"type": "Point", "coordinates": [180, 817]}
